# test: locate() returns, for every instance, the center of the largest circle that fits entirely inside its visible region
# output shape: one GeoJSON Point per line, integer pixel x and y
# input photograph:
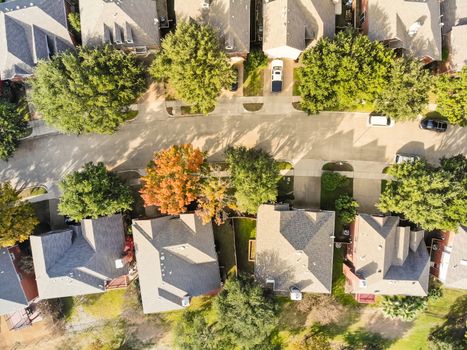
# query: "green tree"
{"type": "Point", "coordinates": [17, 219]}
{"type": "Point", "coordinates": [254, 175]}
{"type": "Point", "coordinates": [346, 208]}
{"type": "Point", "coordinates": [75, 21]}
{"type": "Point", "coordinates": [246, 319]}
{"type": "Point", "coordinates": [433, 198]}
{"type": "Point", "coordinates": [193, 332]}
{"type": "Point", "coordinates": [405, 308]}
{"type": "Point", "coordinates": [451, 99]}
{"type": "Point", "coordinates": [343, 72]}
{"type": "Point", "coordinates": [406, 94]}
{"type": "Point", "coordinates": [88, 90]}
{"type": "Point", "coordinates": [194, 64]}
{"type": "Point", "coordinates": [214, 199]}
{"type": "Point", "coordinates": [12, 127]}
{"type": "Point", "coordinates": [93, 192]}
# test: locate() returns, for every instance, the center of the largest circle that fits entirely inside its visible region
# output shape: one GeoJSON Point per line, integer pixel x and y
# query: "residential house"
{"type": "Point", "coordinates": [81, 260]}
{"type": "Point", "coordinates": [385, 258]}
{"type": "Point", "coordinates": [176, 260]}
{"type": "Point", "coordinates": [449, 258]}
{"type": "Point", "coordinates": [230, 17]}
{"type": "Point", "coordinates": [455, 27]}
{"type": "Point", "coordinates": [18, 289]}
{"type": "Point", "coordinates": [290, 26]}
{"type": "Point", "coordinates": [294, 248]}
{"type": "Point", "coordinates": [414, 26]}
{"type": "Point", "coordinates": [127, 24]}
{"type": "Point", "coordinates": [31, 30]}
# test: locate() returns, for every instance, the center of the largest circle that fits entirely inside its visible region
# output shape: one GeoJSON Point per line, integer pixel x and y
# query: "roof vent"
{"type": "Point", "coordinates": [363, 283]}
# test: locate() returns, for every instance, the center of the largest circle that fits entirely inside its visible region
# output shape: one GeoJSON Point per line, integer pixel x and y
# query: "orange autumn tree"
{"type": "Point", "coordinates": [173, 178]}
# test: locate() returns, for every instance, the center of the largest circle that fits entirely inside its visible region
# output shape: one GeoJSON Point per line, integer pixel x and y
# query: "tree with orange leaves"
{"type": "Point", "coordinates": [173, 178]}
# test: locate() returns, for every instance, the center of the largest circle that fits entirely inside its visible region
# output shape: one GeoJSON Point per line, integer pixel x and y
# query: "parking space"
{"type": "Point", "coordinates": [366, 192]}
{"type": "Point", "coordinates": [287, 79]}
{"type": "Point", "coordinates": [239, 91]}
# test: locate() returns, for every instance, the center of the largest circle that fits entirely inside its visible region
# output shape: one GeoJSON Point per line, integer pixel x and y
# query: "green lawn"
{"type": "Point", "coordinates": [253, 83]}
{"type": "Point", "coordinates": [224, 238]}
{"type": "Point", "coordinates": [245, 229]}
{"type": "Point", "coordinates": [433, 316]}
{"type": "Point", "coordinates": [107, 305]}
{"type": "Point", "coordinates": [296, 82]}
{"type": "Point", "coordinates": [338, 280]}
{"type": "Point", "coordinates": [328, 200]}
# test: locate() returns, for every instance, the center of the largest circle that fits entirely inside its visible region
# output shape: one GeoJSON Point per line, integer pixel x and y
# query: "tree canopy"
{"type": "Point", "coordinates": [88, 90]}
{"type": "Point", "coordinates": [246, 319]}
{"type": "Point", "coordinates": [406, 94]}
{"type": "Point", "coordinates": [173, 178]}
{"type": "Point", "coordinates": [194, 64]}
{"type": "Point", "coordinates": [343, 72]}
{"type": "Point", "coordinates": [452, 97]}
{"type": "Point", "coordinates": [254, 175]}
{"type": "Point", "coordinates": [93, 192]}
{"type": "Point", "coordinates": [12, 128]}
{"type": "Point", "coordinates": [346, 208]}
{"type": "Point", "coordinates": [431, 197]}
{"type": "Point", "coordinates": [214, 198]}
{"type": "Point", "coordinates": [17, 219]}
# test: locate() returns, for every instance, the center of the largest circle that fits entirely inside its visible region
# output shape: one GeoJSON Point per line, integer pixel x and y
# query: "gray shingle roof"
{"type": "Point", "coordinates": [175, 257]}
{"type": "Point", "coordinates": [394, 19]}
{"type": "Point", "coordinates": [101, 18]}
{"type": "Point", "coordinates": [79, 261]}
{"type": "Point", "coordinates": [392, 259]}
{"type": "Point", "coordinates": [25, 26]}
{"type": "Point", "coordinates": [295, 248]}
{"type": "Point", "coordinates": [230, 17]}
{"type": "Point", "coordinates": [12, 297]}
{"type": "Point", "coordinates": [456, 276]}
{"type": "Point", "coordinates": [289, 25]}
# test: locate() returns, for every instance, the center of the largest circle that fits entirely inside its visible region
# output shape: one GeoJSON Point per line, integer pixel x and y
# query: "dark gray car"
{"type": "Point", "coordinates": [434, 125]}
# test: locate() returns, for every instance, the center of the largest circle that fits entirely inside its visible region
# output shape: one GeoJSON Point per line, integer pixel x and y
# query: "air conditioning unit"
{"type": "Point", "coordinates": [186, 301]}
{"type": "Point", "coordinates": [295, 294]}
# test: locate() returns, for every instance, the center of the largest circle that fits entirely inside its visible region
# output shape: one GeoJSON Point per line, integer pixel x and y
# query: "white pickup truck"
{"type": "Point", "coordinates": [276, 78]}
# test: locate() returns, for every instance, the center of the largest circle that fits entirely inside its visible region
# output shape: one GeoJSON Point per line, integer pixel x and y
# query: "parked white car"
{"type": "Point", "coordinates": [276, 78]}
{"type": "Point", "coordinates": [380, 120]}
{"type": "Point", "coordinates": [402, 158]}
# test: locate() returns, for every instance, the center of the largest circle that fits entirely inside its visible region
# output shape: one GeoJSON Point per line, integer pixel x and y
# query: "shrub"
{"type": "Point", "coordinates": [405, 308]}
{"type": "Point", "coordinates": [332, 181]}
{"type": "Point", "coordinates": [346, 208]}
{"type": "Point", "coordinates": [256, 59]}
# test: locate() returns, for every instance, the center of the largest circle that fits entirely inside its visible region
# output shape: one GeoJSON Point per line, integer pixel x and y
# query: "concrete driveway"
{"type": "Point", "coordinates": [287, 75]}
{"type": "Point", "coordinates": [307, 192]}
{"type": "Point", "coordinates": [294, 136]}
{"type": "Point", "coordinates": [366, 192]}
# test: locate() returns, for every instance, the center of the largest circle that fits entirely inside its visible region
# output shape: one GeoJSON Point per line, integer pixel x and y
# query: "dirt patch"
{"type": "Point", "coordinates": [322, 309]}
{"type": "Point", "coordinates": [374, 321]}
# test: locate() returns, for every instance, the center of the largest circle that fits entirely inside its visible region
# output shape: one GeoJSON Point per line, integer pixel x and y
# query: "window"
{"type": "Point", "coordinates": [362, 17]}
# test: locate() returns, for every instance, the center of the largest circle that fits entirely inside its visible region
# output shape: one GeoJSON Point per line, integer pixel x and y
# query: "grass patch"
{"type": "Point", "coordinates": [338, 281]}
{"type": "Point", "coordinates": [284, 165]}
{"type": "Point", "coordinates": [296, 82]}
{"type": "Point", "coordinates": [253, 83]}
{"type": "Point", "coordinates": [253, 107]}
{"type": "Point", "coordinates": [433, 316]}
{"type": "Point", "coordinates": [224, 239]}
{"type": "Point", "coordinates": [188, 110]}
{"type": "Point", "coordinates": [337, 166]}
{"type": "Point", "coordinates": [106, 305]}
{"type": "Point", "coordinates": [130, 115]}
{"type": "Point", "coordinates": [245, 229]}
{"type": "Point", "coordinates": [297, 106]}
{"type": "Point", "coordinates": [32, 191]}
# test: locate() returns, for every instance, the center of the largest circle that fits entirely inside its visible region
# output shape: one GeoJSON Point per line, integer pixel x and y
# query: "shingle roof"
{"type": "Point", "coordinates": [107, 19]}
{"type": "Point", "coordinates": [456, 276]}
{"type": "Point", "coordinates": [78, 261]}
{"type": "Point", "coordinates": [394, 19]}
{"type": "Point", "coordinates": [295, 248]}
{"type": "Point", "coordinates": [459, 47]}
{"type": "Point", "coordinates": [291, 23]}
{"type": "Point", "coordinates": [230, 17]}
{"type": "Point", "coordinates": [28, 32]}
{"type": "Point", "coordinates": [175, 257]}
{"type": "Point", "coordinates": [392, 259]}
{"type": "Point", "coordinates": [12, 297]}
